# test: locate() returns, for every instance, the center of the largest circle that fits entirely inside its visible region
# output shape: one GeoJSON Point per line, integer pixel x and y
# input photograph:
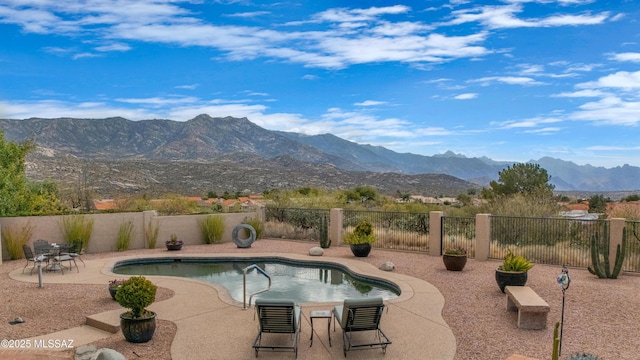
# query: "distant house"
{"type": "Point", "coordinates": [104, 204]}
{"type": "Point", "coordinates": [580, 215]}
{"type": "Point", "coordinates": [434, 200]}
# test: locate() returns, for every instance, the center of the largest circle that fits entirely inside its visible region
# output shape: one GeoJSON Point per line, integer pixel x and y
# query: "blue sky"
{"type": "Point", "coordinates": [511, 80]}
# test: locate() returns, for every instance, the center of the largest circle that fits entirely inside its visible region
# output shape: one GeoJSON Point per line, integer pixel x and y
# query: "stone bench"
{"type": "Point", "coordinates": [532, 309]}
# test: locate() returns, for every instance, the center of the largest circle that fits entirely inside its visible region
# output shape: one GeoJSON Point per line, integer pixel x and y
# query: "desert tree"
{"type": "Point", "coordinates": [522, 178]}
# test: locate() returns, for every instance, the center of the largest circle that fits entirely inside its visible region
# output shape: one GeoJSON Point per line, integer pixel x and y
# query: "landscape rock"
{"type": "Point", "coordinates": [316, 251]}
{"type": "Point", "coordinates": [387, 266]}
{"type": "Point", "coordinates": [85, 352]}
{"type": "Point", "coordinates": [108, 354]}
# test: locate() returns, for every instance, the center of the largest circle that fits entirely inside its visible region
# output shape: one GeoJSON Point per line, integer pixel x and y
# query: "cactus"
{"type": "Point", "coordinates": [323, 230]}
{"type": "Point", "coordinates": [583, 356]}
{"type": "Point", "coordinates": [602, 270]}
{"type": "Point", "coordinates": [556, 343]}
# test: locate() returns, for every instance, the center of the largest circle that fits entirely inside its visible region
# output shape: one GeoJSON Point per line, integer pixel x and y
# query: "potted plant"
{"type": "Point", "coordinates": [513, 271]}
{"type": "Point", "coordinates": [114, 285]}
{"type": "Point", "coordinates": [360, 239]}
{"type": "Point", "coordinates": [174, 243]}
{"type": "Point", "coordinates": [138, 324]}
{"type": "Point", "coordinates": [455, 258]}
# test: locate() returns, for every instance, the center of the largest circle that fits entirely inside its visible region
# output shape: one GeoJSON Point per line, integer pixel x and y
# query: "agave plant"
{"type": "Point", "coordinates": [515, 263]}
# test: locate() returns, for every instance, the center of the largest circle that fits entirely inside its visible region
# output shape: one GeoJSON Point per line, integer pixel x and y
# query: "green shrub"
{"type": "Point", "coordinates": [362, 234]}
{"type": "Point", "coordinates": [14, 239]}
{"type": "Point", "coordinates": [124, 236]}
{"type": "Point", "coordinates": [77, 229]}
{"type": "Point", "coordinates": [136, 294]}
{"type": "Point", "coordinates": [212, 228]}
{"type": "Point", "coordinates": [257, 225]}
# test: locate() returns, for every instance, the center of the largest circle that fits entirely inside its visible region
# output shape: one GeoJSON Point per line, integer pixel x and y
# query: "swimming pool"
{"type": "Point", "coordinates": [300, 281]}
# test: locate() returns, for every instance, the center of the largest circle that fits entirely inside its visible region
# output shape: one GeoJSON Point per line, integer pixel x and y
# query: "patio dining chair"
{"type": "Point", "coordinates": [359, 315]}
{"type": "Point", "coordinates": [28, 254]}
{"type": "Point", "coordinates": [41, 247]}
{"type": "Point", "coordinates": [280, 317]}
{"type": "Point", "coordinates": [74, 249]}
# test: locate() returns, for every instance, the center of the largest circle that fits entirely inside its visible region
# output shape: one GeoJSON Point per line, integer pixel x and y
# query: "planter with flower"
{"type": "Point", "coordinates": [360, 239]}
{"type": "Point", "coordinates": [513, 271]}
{"type": "Point", "coordinates": [174, 244]}
{"type": "Point", "coordinates": [138, 324]}
{"type": "Point", "coordinates": [455, 258]}
{"type": "Point", "coordinates": [114, 285]}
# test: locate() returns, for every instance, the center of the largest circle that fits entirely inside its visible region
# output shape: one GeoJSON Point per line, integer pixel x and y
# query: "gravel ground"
{"type": "Point", "coordinates": [474, 309]}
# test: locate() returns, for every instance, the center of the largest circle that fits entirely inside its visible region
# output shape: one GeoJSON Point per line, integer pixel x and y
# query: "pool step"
{"type": "Point", "coordinates": [106, 321]}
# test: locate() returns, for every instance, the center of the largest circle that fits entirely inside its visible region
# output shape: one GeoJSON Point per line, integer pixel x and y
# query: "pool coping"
{"type": "Point", "coordinates": [210, 322]}
{"type": "Point", "coordinates": [287, 260]}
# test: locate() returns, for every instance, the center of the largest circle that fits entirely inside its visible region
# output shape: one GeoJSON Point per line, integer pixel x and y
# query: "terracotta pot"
{"type": "Point", "coordinates": [454, 262]}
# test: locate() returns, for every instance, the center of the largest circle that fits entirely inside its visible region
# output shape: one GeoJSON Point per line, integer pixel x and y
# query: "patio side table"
{"type": "Point", "coordinates": [321, 314]}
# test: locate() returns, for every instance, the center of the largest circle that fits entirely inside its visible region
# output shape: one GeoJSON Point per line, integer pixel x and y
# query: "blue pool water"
{"type": "Point", "coordinates": [301, 282]}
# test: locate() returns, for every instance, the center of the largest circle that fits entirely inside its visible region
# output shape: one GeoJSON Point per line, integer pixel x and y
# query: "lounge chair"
{"type": "Point", "coordinates": [359, 315]}
{"type": "Point", "coordinates": [277, 317]}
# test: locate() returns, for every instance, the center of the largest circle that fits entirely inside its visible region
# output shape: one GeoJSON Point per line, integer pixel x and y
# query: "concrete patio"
{"type": "Point", "coordinates": [212, 325]}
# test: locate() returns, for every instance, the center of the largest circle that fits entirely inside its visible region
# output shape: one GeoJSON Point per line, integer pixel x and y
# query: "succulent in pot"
{"type": "Point", "coordinates": [455, 258]}
{"type": "Point", "coordinates": [173, 243]}
{"type": "Point", "coordinates": [136, 294]}
{"type": "Point", "coordinates": [513, 271]}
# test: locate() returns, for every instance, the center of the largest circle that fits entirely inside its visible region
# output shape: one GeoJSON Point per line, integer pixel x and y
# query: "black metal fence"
{"type": "Point", "coordinates": [459, 232]}
{"type": "Point", "coordinates": [632, 257]}
{"type": "Point", "coordinates": [297, 224]}
{"type": "Point", "coordinates": [555, 241]}
{"type": "Point", "coordinates": [393, 230]}
{"type": "Point", "coordinates": [546, 240]}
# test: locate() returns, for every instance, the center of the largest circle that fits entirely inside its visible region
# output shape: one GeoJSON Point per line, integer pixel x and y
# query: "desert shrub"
{"type": "Point", "coordinates": [522, 205]}
{"type": "Point", "coordinates": [212, 227]}
{"type": "Point", "coordinates": [257, 225]}
{"type": "Point", "coordinates": [77, 229]}
{"type": "Point", "coordinates": [124, 235]}
{"type": "Point", "coordinates": [14, 239]}
{"type": "Point", "coordinates": [176, 205]}
{"type": "Point", "coordinates": [625, 211]}
{"type": "Point", "coordinates": [151, 234]}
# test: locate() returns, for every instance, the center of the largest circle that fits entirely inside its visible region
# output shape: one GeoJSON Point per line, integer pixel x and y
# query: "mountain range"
{"type": "Point", "coordinates": [216, 147]}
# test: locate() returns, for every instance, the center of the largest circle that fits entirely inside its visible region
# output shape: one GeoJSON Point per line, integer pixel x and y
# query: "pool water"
{"type": "Point", "coordinates": [297, 281]}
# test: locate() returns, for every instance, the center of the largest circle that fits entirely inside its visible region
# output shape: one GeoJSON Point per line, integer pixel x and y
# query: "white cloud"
{"type": "Point", "coordinates": [627, 56]}
{"type": "Point", "coordinates": [511, 80]}
{"type": "Point", "coordinates": [610, 110]}
{"type": "Point", "coordinates": [370, 103]}
{"type": "Point", "coordinates": [621, 80]}
{"type": "Point", "coordinates": [113, 47]}
{"type": "Point", "coordinates": [544, 131]}
{"type": "Point", "coordinates": [467, 96]}
{"type": "Point", "coordinates": [362, 35]}
{"type": "Point", "coordinates": [188, 87]}
{"type": "Point", "coordinates": [527, 123]}
{"type": "Point", "coordinates": [504, 16]}
{"type": "Point", "coordinates": [250, 14]}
